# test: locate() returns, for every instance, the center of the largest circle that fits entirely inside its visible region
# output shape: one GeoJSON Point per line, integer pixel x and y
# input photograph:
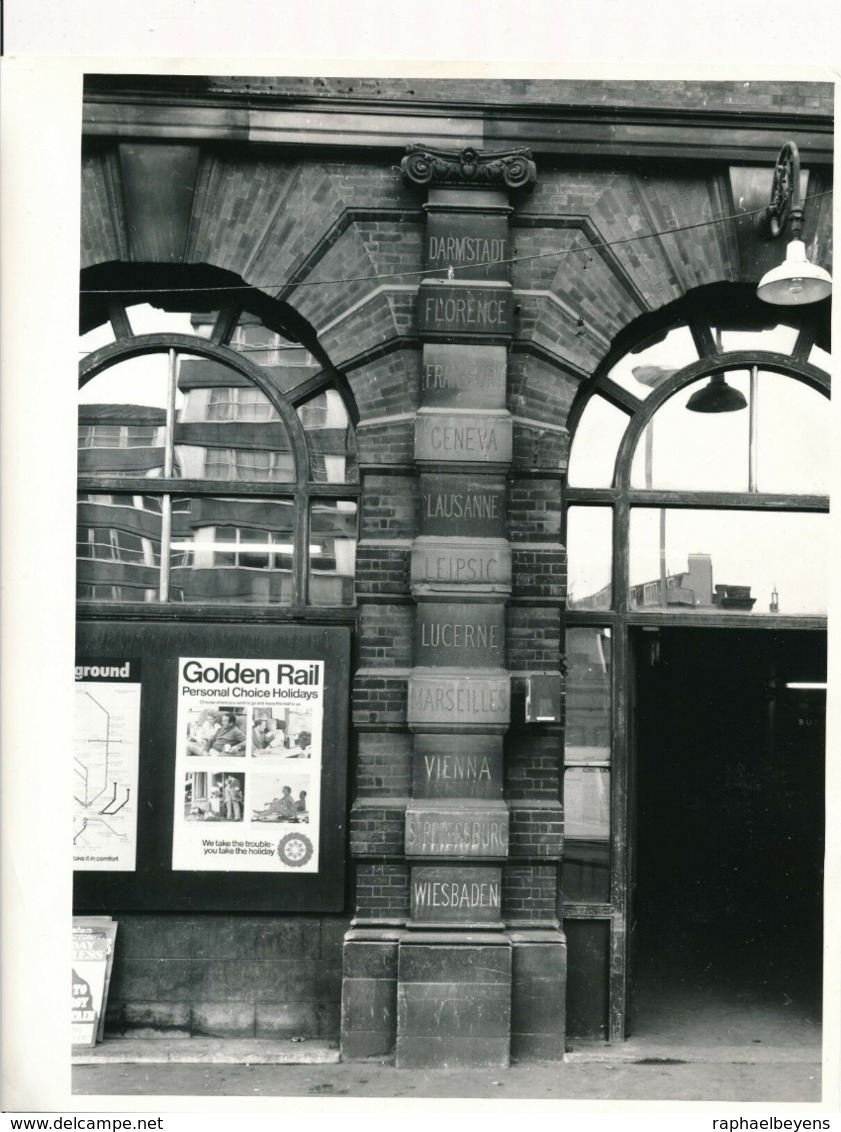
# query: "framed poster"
{"type": "Point", "coordinates": [242, 769]}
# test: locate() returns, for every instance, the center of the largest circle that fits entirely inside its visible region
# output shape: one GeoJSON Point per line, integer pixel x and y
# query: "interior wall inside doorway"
{"type": "Point", "coordinates": [729, 810]}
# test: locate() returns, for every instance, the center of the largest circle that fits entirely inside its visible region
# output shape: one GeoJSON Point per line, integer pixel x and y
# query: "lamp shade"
{"type": "Point", "coordinates": [716, 397]}
{"type": "Point", "coordinates": [796, 281]}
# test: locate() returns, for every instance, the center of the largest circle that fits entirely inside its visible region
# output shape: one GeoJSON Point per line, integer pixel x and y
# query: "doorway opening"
{"type": "Point", "coordinates": [728, 829]}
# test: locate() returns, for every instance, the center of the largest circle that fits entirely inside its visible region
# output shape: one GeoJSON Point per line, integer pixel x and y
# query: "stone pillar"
{"type": "Point", "coordinates": [454, 977]}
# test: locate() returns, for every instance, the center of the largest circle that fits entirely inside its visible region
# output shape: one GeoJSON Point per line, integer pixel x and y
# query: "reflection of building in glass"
{"type": "Point", "coordinates": [690, 588]}
{"type": "Point", "coordinates": [222, 549]}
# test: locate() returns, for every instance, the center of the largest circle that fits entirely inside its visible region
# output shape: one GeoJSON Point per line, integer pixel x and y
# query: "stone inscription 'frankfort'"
{"type": "Point", "coordinates": [445, 308]}
{"type": "Point", "coordinates": [455, 634]}
{"type": "Point", "coordinates": [463, 376]}
{"type": "Point", "coordinates": [467, 832]}
{"type": "Point", "coordinates": [447, 893]}
{"type": "Point", "coordinates": [480, 436]}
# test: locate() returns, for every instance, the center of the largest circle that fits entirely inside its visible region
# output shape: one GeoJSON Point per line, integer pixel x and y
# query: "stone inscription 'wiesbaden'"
{"type": "Point", "coordinates": [464, 831]}
{"type": "Point", "coordinates": [463, 505]}
{"type": "Point", "coordinates": [441, 565]}
{"type": "Point", "coordinates": [450, 634]}
{"type": "Point", "coordinates": [481, 436]}
{"type": "Point", "coordinates": [448, 893]}
{"type": "Point", "coordinates": [448, 308]}
{"type": "Point", "coordinates": [453, 701]}
{"type": "Point", "coordinates": [457, 766]}
{"type": "Point", "coordinates": [460, 377]}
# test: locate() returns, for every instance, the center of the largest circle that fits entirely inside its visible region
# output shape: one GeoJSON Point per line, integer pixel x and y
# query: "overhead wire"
{"type": "Point", "coordinates": [273, 285]}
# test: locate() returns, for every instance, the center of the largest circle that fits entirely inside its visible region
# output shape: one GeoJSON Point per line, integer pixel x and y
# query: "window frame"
{"type": "Point", "coordinates": [301, 491]}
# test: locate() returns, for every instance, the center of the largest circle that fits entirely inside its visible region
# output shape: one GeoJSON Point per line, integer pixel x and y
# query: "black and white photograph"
{"type": "Point", "coordinates": [455, 455]}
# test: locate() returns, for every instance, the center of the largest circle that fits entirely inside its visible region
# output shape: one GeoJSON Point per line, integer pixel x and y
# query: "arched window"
{"type": "Point", "coordinates": [217, 462]}
{"type": "Point", "coordinates": [680, 517]}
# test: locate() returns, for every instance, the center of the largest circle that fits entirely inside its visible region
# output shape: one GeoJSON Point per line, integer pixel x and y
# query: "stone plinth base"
{"type": "Point", "coordinates": [538, 995]}
{"type": "Point", "coordinates": [453, 1000]}
{"type": "Point", "coordinates": [369, 993]}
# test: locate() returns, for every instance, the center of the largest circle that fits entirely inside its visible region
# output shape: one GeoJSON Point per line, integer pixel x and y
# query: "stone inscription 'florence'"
{"type": "Point", "coordinates": [462, 831]}
{"type": "Point", "coordinates": [452, 701]}
{"type": "Point", "coordinates": [445, 308]}
{"type": "Point", "coordinates": [478, 437]}
{"type": "Point", "coordinates": [448, 893]}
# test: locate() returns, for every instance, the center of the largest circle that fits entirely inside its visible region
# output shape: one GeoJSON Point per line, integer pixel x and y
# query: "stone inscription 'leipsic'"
{"type": "Point", "coordinates": [449, 893]}
{"type": "Point", "coordinates": [447, 308]}
{"type": "Point", "coordinates": [479, 437]}
{"type": "Point", "coordinates": [444, 564]}
{"type": "Point", "coordinates": [451, 701]}
{"type": "Point", "coordinates": [455, 634]}
{"type": "Point", "coordinates": [465, 376]}
{"type": "Point", "coordinates": [464, 832]}
{"type": "Point", "coordinates": [457, 766]}
{"type": "Point", "coordinates": [463, 505]}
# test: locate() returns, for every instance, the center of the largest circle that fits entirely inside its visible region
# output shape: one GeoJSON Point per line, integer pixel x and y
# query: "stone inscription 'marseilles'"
{"type": "Point", "coordinates": [479, 437]}
{"type": "Point", "coordinates": [452, 893]}
{"type": "Point", "coordinates": [450, 701]}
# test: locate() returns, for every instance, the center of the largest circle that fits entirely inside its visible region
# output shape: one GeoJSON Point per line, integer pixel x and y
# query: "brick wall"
{"type": "Point", "coordinates": [226, 976]}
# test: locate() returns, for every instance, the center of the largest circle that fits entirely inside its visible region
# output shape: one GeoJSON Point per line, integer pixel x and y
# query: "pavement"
{"type": "Point", "coordinates": [634, 1072]}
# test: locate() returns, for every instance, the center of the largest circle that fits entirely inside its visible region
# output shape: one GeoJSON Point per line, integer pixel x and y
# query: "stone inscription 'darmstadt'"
{"type": "Point", "coordinates": [477, 246]}
{"type": "Point", "coordinates": [463, 376]}
{"type": "Point", "coordinates": [455, 634]}
{"type": "Point", "coordinates": [479, 437]}
{"type": "Point", "coordinates": [446, 308]}
{"type": "Point", "coordinates": [449, 893]}
{"type": "Point", "coordinates": [464, 832]}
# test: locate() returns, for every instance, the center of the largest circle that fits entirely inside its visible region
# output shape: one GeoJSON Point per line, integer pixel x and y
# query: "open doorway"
{"type": "Point", "coordinates": [728, 819]}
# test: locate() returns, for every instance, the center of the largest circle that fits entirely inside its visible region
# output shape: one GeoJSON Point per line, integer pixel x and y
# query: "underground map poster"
{"type": "Point", "coordinates": [105, 763]}
{"type": "Point", "coordinates": [248, 765]}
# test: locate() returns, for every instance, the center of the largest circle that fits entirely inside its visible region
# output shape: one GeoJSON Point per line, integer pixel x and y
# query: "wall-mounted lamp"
{"type": "Point", "coordinates": [796, 281]}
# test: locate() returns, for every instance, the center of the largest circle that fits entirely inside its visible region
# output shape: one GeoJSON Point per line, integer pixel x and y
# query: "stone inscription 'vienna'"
{"type": "Point", "coordinates": [459, 768]}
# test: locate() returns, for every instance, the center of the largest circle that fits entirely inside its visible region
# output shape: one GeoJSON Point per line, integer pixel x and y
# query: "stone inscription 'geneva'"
{"type": "Point", "coordinates": [451, 701]}
{"type": "Point", "coordinates": [455, 634]}
{"type": "Point", "coordinates": [449, 893]}
{"type": "Point", "coordinates": [463, 832]}
{"type": "Point", "coordinates": [460, 377]}
{"type": "Point", "coordinates": [449, 308]}
{"type": "Point", "coordinates": [462, 505]}
{"type": "Point", "coordinates": [457, 766]}
{"type": "Point", "coordinates": [480, 436]}
{"type": "Point", "coordinates": [442, 564]}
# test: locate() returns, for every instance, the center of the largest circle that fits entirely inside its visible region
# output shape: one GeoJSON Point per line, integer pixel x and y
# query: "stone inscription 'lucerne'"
{"type": "Point", "coordinates": [447, 893]}
{"type": "Point", "coordinates": [466, 376]}
{"type": "Point", "coordinates": [453, 635]}
{"type": "Point", "coordinates": [448, 308]}
{"type": "Point", "coordinates": [466, 831]}
{"type": "Point", "coordinates": [481, 436]}
{"type": "Point", "coordinates": [457, 766]}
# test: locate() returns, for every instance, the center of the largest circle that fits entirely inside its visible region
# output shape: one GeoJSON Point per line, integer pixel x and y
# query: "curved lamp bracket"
{"type": "Point", "coordinates": [785, 204]}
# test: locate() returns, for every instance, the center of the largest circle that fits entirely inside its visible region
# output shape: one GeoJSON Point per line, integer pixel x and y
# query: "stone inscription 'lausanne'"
{"type": "Point", "coordinates": [463, 505]}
